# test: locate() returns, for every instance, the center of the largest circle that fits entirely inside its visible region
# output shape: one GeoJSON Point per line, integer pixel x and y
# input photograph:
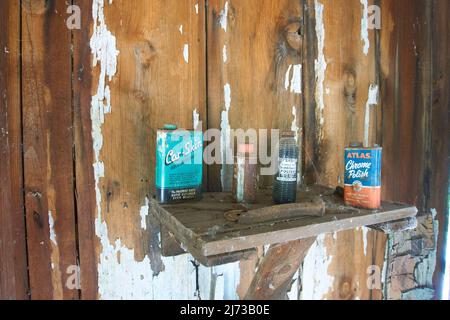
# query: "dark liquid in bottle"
{"type": "Point", "coordinates": [285, 184]}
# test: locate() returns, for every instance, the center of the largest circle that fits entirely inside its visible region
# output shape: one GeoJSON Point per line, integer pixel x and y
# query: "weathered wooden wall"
{"type": "Point", "coordinates": [85, 105]}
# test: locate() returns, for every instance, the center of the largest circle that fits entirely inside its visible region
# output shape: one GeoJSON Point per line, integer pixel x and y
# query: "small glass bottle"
{"type": "Point", "coordinates": [286, 179]}
{"type": "Point", "coordinates": [245, 175]}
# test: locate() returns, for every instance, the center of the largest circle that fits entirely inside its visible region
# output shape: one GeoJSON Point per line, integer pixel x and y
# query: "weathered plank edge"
{"type": "Point", "coordinates": [208, 261]}
{"type": "Point", "coordinates": [218, 247]}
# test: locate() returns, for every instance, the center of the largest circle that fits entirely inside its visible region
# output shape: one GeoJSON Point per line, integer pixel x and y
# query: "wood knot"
{"type": "Point", "coordinates": [37, 219]}
{"type": "Point", "coordinates": [141, 96]}
{"type": "Point", "coordinates": [145, 52]}
{"type": "Point", "coordinates": [36, 6]}
{"type": "Point", "coordinates": [350, 90]}
{"type": "Point", "coordinates": [293, 32]}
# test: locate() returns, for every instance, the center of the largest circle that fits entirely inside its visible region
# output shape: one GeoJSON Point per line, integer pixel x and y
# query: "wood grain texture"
{"type": "Point", "coordinates": [153, 86]}
{"type": "Point", "coordinates": [82, 85]}
{"type": "Point", "coordinates": [13, 261]}
{"type": "Point", "coordinates": [335, 102]}
{"type": "Point", "coordinates": [48, 141]}
{"type": "Point", "coordinates": [253, 47]}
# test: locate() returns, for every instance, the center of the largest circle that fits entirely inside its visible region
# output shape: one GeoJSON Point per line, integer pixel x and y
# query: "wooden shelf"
{"type": "Point", "coordinates": [202, 228]}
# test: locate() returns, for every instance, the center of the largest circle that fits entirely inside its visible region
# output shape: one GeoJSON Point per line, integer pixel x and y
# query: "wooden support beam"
{"type": "Point", "coordinates": [276, 270]}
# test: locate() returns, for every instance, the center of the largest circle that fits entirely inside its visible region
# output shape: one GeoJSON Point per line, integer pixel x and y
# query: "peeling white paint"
{"type": "Point", "coordinates": [144, 213]}
{"type": "Point", "coordinates": [127, 278]}
{"type": "Point", "coordinates": [225, 135]}
{"type": "Point", "coordinates": [294, 125]}
{"type": "Point", "coordinates": [196, 119]}
{"type": "Point", "coordinates": [372, 100]}
{"type": "Point", "coordinates": [186, 53]}
{"type": "Point", "coordinates": [320, 64]}
{"type": "Point", "coordinates": [51, 224]}
{"type": "Point", "coordinates": [103, 47]}
{"type": "Point", "coordinates": [227, 280]}
{"type": "Point", "coordinates": [296, 82]}
{"type": "Point", "coordinates": [181, 29]}
{"type": "Point", "coordinates": [196, 8]}
{"type": "Point", "coordinates": [223, 20]}
{"type": "Point", "coordinates": [130, 279]}
{"type": "Point", "coordinates": [287, 77]}
{"type": "Point", "coordinates": [365, 26]}
{"type": "Point", "coordinates": [316, 279]}
{"type": "Point", "coordinates": [294, 292]}
{"type": "Point", "coordinates": [365, 234]}
{"type": "Point", "coordinates": [225, 54]}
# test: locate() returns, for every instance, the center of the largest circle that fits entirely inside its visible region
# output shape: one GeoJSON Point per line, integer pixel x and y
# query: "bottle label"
{"type": "Point", "coordinates": [287, 170]}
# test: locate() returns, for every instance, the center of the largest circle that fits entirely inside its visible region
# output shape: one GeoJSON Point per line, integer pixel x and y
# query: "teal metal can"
{"type": "Point", "coordinates": [179, 165]}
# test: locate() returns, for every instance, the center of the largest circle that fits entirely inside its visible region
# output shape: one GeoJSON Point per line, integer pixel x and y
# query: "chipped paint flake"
{"type": "Point", "coordinates": [226, 138]}
{"type": "Point", "coordinates": [372, 100]}
{"type": "Point", "coordinates": [144, 213]}
{"type": "Point", "coordinates": [294, 83]}
{"type": "Point", "coordinates": [51, 224]}
{"type": "Point", "coordinates": [365, 26]}
{"type": "Point", "coordinates": [225, 54]}
{"type": "Point", "coordinates": [320, 64]}
{"type": "Point", "coordinates": [365, 234]}
{"type": "Point", "coordinates": [316, 279]}
{"type": "Point", "coordinates": [186, 53]}
{"type": "Point", "coordinates": [287, 77]}
{"type": "Point", "coordinates": [294, 125]}
{"type": "Point", "coordinates": [223, 19]}
{"type": "Point", "coordinates": [196, 8]}
{"type": "Point", "coordinates": [181, 29]}
{"type": "Point", "coordinates": [196, 119]}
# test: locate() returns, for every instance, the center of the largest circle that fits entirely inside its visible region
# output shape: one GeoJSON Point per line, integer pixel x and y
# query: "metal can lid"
{"type": "Point", "coordinates": [356, 144]}
{"type": "Point", "coordinates": [170, 127]}
{"type": "Point", "coordinates": [288, 134]}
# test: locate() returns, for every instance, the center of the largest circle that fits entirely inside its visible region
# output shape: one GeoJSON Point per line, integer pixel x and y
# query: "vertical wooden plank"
{"type": "Point", "coordinates": [339, 79]}
{"type": "Point", "coordinates": [48, 141]}
{"type": "Point", "coordinates": [85, 189]}
{"type": "Point", "coordinates": [160, 79]}
{"type": "Point", "coordinates": [13, 264]}
{"type": "Point", "coordinates": [254, 77]}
